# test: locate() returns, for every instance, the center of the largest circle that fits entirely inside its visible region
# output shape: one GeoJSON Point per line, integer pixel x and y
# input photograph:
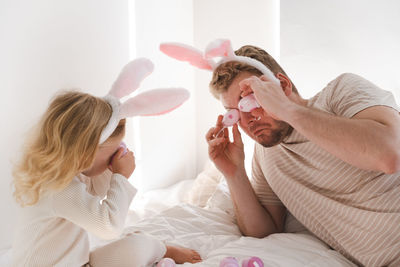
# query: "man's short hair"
{"type": "Point", "coordinates": [225, 73]}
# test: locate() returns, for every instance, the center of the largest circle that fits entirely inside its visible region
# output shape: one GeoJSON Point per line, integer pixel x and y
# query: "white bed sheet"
{"type": "Point", "coordinates": [214, 234]}
{"type": "Point", "coordinates": [5, 257]}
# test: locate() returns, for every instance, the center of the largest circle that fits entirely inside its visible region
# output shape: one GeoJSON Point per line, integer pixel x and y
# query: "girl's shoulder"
{"type": "Point", "coordinates": [74, 188]}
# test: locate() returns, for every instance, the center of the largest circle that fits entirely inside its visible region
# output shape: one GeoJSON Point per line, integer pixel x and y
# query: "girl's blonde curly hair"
{"type": "Point", "coordinates": [63, 144]}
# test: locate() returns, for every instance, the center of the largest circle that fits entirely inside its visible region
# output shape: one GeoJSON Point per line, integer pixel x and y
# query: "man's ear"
{"type": "Point", "coordinates": [286, 84]}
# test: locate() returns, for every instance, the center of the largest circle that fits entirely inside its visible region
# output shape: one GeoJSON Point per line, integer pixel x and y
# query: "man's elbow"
{"type": "Point", "coordinates": [391, 162]}
{"type": "Point", "coordinates": [260, 233]}
{"type": "Point", "coordinates": [255, 234]}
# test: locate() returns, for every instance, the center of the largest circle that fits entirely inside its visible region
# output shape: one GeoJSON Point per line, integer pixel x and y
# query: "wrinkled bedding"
{"type": "Point", "coordinates": [214, 234]}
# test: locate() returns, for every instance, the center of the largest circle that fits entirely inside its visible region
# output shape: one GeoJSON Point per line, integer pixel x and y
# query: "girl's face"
{"type": "Point", "coordinates": [103, 156]}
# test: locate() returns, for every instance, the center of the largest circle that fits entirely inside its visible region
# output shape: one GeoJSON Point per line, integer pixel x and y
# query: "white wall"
{"type": "Point", "coordinates": [47, 45]}
{"type": "Point", "coordinates": [322, 39]}
{"type": "Point", "coordinates": [175, 142]}
{"type": "Point", "coordinates": [167, 149]}
{"type": "Point", "coordinates": [254, 22]}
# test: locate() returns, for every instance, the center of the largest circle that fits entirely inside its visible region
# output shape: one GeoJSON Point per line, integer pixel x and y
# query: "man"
{"type": "Point", "coordinates": [333, 161]}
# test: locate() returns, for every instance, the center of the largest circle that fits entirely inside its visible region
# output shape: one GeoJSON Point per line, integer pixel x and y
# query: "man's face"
{"type": "Point", "coordinates": [257, 124]}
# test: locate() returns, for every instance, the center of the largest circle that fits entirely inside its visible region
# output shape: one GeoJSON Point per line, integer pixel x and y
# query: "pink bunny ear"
{"type": "Point", "coordinates": [131, 76]}
{"type": "Point", "coordinates": [187, 53]}
{"type": "Point", "coordinates": [219, 48]}
{"type": "Point", "coordinates": [154, 102]}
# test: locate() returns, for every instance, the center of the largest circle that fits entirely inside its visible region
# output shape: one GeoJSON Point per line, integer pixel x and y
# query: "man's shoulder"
{"type": "Point", "coordinates": [345, 79]}
{"type": "Point", "coordinates": [348, 75]}
{"type": "Point", "coordinates": [344, 83]}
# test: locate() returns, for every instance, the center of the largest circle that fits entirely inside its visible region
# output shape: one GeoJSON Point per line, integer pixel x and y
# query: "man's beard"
{"type": "Point", "coordinates": [276, 136]}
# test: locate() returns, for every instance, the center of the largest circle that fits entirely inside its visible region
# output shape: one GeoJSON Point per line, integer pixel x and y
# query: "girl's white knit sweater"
{"type": "Point", "coordinates": [53, 232]}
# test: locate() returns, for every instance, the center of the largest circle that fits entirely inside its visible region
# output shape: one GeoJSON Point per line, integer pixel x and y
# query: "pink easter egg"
{"type": "Point", "coordinates": [123, 145]}
{"type": "Point", "coordinates": [253, 262]}
{"type": "Point", "coordinates": [229, 262]}
{"type": "Point", "coordinates": [231, 117]}
{"type": "Point", "coordinates": [166, 262]}
{"type": "Point", "coordinates": [248, 103]}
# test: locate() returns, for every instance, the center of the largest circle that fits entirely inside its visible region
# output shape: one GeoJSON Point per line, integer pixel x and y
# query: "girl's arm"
{"type": "Point", "coordinates": [104, 218]}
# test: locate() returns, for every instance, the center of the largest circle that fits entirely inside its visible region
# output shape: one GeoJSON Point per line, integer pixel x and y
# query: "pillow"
{"type": "Point", "coordinates": [221, 199]}
{"type": "Point", "coordinates": [204, 185]}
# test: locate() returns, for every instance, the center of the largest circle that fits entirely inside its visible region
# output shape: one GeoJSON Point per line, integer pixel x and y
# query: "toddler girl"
{"type": "Point", "coordinates": [73, 179]}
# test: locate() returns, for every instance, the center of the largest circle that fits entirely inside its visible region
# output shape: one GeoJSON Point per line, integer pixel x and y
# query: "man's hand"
{"type": "Point", "coordinates": [123, 164]}
{"type": "Point", "coordinates": [227, 156]}
{"type": "Point", "coordinates": [272, 98]}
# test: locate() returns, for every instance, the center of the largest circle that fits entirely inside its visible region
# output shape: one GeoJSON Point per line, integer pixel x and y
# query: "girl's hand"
{"type": "Point", "coordinates": [123, 164]}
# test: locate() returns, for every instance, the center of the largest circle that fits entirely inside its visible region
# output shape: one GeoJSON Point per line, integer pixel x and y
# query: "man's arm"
{"type": "Point", "coordinates": [253, 219]}
{"type": "Point", "coordinates": [369, 140]}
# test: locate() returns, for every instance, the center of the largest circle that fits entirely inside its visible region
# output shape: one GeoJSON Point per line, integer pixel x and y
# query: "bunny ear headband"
{"type": "Point", "coordinates": [218, 48]}
{"type": "Point", "coordinates": [153, 102]}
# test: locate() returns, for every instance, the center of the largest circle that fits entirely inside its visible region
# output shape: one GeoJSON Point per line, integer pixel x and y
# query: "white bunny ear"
{"type": "Point", "coordinates": [154, 102]}
{"type": "Point", "coordinates": [131, 76]}
{"type": "Point", "coordinates": [223, 48]}
{"type": "Point", "coordinates": [219, 48]}
{"type": "Point", "coordinates": [187, 53]}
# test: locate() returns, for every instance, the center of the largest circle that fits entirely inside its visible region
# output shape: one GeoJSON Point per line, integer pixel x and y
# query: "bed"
{"type": "Point", "coordinates": [198, 214]}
